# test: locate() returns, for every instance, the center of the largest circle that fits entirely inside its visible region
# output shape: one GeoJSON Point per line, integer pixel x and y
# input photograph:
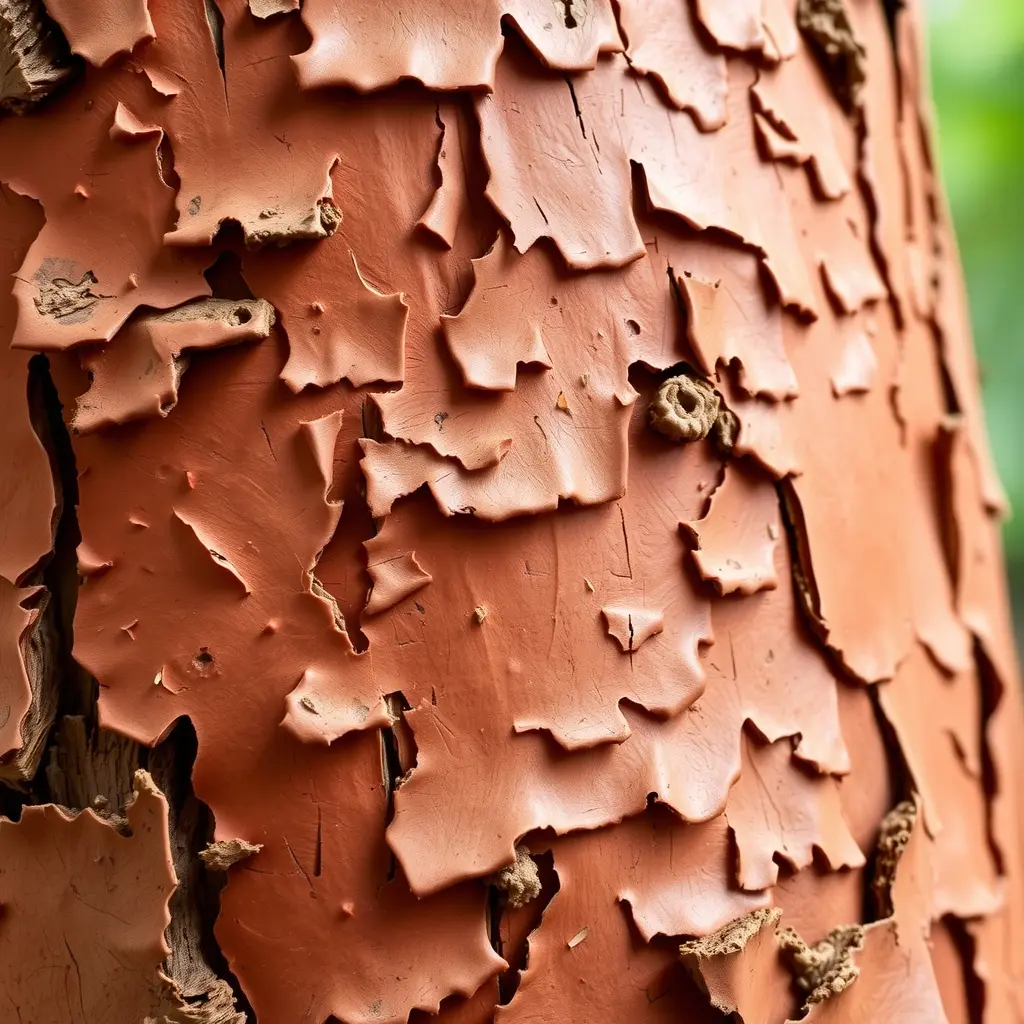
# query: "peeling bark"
{"type": "Point", "coordinates": [565, 583]}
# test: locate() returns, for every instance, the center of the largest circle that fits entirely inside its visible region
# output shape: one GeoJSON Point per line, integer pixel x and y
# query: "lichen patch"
{"type": "Point", "coordinates": [827, 29]}
{"type": "Point", "coordinates": [519, 881]}
{"type": "Point", "coordinates": [221, 855]}
{"type": "Point", "coordinates": [892, 841]}
{"type": "Point", "coordinates": [684, 409]}
{"type": "Point", "coordinates": [733, 937]}
{"type": "Point", "coordinates": [825, 968]}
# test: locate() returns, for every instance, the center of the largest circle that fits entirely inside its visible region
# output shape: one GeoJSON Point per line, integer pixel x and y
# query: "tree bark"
{"type": "Point", "coordinates": [497, 523]}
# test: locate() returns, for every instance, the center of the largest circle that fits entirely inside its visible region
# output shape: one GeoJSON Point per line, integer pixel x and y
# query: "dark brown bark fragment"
{"type": "Point", "coordinates": [34, 57]}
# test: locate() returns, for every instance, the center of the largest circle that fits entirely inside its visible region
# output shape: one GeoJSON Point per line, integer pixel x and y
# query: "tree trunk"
{"type": "Point", "coordinates": [496, 522]}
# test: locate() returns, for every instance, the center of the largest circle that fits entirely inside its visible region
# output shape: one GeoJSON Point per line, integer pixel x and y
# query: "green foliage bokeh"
{"type": "Point", "coordinates": [977, 68]}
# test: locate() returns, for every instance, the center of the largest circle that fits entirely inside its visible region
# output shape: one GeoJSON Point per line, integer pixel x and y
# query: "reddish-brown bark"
{"type": "Point", "coordinates": [536, 446]}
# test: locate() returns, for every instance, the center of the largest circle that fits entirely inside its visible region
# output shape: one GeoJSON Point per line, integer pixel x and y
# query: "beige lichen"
{"type": "Point", "coordinates": [726, 431]}
{"type": "Point", "coordinates": [221, 855]}
{"type": "Point", "coordinates": [519, 881]}
{"type": "Point", "coordinates": [829, 33]}
{"type": "Point", "coordinates": [732, 937]}
{"type": "Point", "coordinates": [827, 967]}
{"type": "Point", "coordinates": [684, 409]}
{"type": "Point", "coordinates": [892, 841]}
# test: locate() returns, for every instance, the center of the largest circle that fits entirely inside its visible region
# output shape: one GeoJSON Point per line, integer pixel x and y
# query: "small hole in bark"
{"type": "Point", "coordinates": [204, 659]}
{"type": "Point", "coordinates": [242, 315]}
{"type": "Point", "coordinates": [633, 327]}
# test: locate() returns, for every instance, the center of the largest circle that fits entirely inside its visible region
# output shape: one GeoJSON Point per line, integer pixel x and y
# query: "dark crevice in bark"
{"type": "Point", "coordinates": [224, 275]}
{"type": "Point", "coordinates": [358, 513]}
{"type": "Point", "coordinates": [950, 399]}
{"type": "Point", "coordinates": [397, 757]}
{"type": "Point", "coordinates": [991, 696]}
{"type": "Point", "coordinates": [196, 963]}
{"type": "Point", "coordinates": [892, 10]}
{"type": "Point", "coordinates": [867, 192]}
{"type": "Point", "coordinates": [579, 115]}
{"type": "Point", "coordinates": [371, 422]}
{"type": "Point", "coordinates": [493, 913]}
{"type": "Point", "coordinates": [973, 985]}
{"type": "Point", "coordinates": [803, 580]}
{"type": "Point", "coordinates": [646, 377]}
{"type": "Point", "coordinates": [807, 600]}
{"type": "Point", "coordinates": [168, 174]}
{"type": "Point", "coordinates": [35, 59]}
{"type": "Point", "coordinates": [514, 947]}
{"type": "Point", "coordinates": [215, 20]}
{"type": "Point", "coordinates": [480, 212]}
{"type": "Point", "coordinates": [85, 766]}
{"type": "Point", "coordinates": [900, 785]}
{"type": "Point", "coordinates": [900, 780]}
{"type": "Point", "coordinates": [79, 691]}
{"type": "Point", "coordinates": [41, 647]}
{"type": "Point", "coordinates": [88, 766]}
{"type": "Point", "coordinates": [12, 801]}
{"type": "Point", "coordinates": [71, 691]}
{"type": "Point", "coordinates": [44, 406]}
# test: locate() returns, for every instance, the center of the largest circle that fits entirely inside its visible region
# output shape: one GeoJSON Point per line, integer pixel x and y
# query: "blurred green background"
{"type": "Point", "coordinates": [977, 66]}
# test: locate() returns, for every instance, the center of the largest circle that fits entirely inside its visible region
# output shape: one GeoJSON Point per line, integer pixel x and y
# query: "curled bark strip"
{"type": "Point", "coordinates": [101, 30]}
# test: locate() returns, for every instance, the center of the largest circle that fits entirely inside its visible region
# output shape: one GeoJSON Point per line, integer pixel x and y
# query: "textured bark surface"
{"type": "Point", "coordinates": [496, 523]}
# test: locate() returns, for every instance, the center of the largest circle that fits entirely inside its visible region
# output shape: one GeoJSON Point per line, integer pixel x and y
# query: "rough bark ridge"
{"type": "Point", "coordinates": [536, 445]}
